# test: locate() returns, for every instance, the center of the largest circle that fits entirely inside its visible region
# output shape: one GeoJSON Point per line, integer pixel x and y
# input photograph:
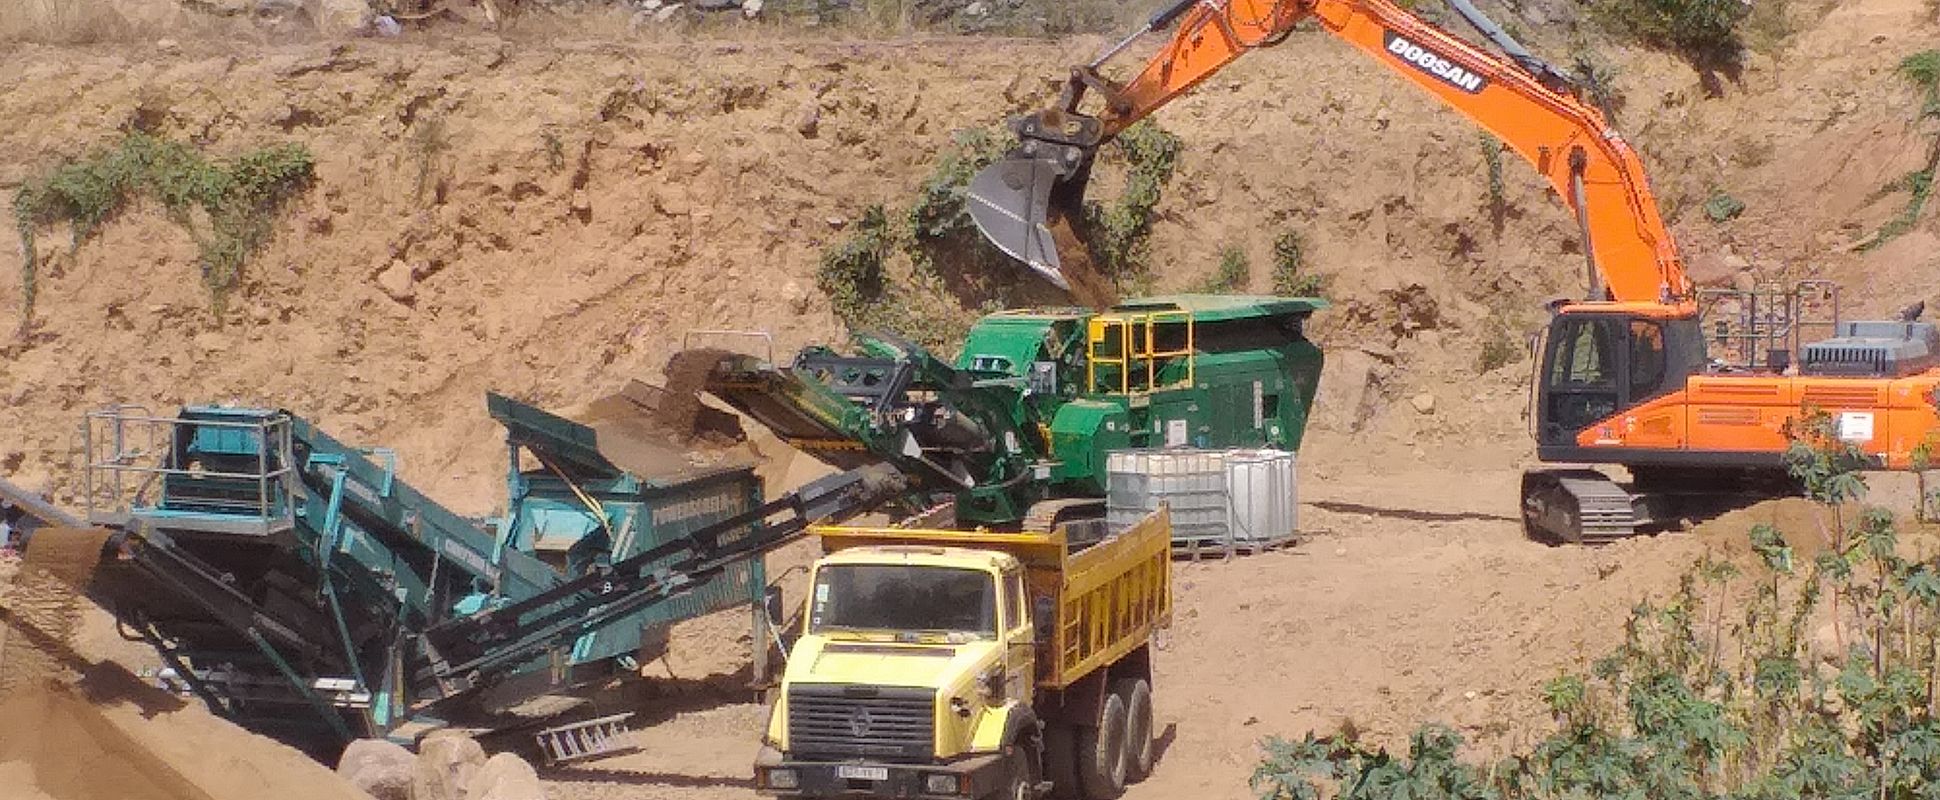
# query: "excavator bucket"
{"type": "Point", "coordinates": [1010, 202]}
{"type": "Point", "coordinates": [1027, 206]}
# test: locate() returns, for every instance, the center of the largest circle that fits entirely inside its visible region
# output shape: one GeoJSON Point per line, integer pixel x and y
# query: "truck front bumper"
{"type": "Point", "coordinates": [970, 776]}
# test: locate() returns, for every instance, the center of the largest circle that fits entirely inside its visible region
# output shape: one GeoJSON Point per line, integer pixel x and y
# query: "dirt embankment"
{"type": "Point", "coordinates": [80, 725]}
{"type": "Point", "coordinates": [547, 219]}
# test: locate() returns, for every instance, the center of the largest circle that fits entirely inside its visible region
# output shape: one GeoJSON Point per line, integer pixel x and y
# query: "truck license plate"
{"type": "Point", "coordinates": [862, 773]}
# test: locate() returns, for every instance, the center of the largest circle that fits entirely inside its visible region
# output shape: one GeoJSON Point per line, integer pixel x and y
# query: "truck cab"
{"type": "Point", "coordinates": [953, 664]}
{"type": "Point", "coordinates": [914, 659]}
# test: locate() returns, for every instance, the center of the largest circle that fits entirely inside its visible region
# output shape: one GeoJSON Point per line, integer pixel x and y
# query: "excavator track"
{"type": "Point", "coordinates": [941, 515]}
{"type": "Point", "coordinates": [1069, 513]}
{"type": "Point", "coordinates": [1583, 506]}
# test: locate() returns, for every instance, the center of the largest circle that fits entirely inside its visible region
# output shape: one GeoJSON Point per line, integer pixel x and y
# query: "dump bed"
{"type": "Point", "coordinates": [1094, 602]}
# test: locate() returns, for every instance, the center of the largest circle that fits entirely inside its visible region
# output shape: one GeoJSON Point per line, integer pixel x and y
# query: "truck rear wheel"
{"type": "Point", "coordinates": [1138, 726]}
{"type": "Point", "coordinates": [1061, 760]}
{"type": "Point", "coordinates": [1101, 752]}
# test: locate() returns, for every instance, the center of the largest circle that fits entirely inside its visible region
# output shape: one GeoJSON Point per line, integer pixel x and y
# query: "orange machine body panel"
{"type": "Point", "coordinates": [1888, 418]}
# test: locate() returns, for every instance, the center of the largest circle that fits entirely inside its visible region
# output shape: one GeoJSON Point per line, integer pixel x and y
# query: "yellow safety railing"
{"type": "Point", "coordinates": [1130, 344]}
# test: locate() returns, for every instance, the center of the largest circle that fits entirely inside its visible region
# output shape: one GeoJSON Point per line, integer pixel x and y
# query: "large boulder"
{"type": "Point", "coordinates": [505, 777]}
{"type": "Point", "coordinates": [446, 763]}
{"type": "Point", "coordinates": [381, 769]}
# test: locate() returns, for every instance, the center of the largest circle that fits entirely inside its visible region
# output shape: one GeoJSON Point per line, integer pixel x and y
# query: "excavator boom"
{"type": "Point", "coordinates": [1038, 187]}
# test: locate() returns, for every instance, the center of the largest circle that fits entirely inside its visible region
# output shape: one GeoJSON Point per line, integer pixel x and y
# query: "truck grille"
{"type": "Point", "coordinates": [886, 722]}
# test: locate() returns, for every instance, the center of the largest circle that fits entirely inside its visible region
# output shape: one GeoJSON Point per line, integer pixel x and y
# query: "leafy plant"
{"type": "Point", "coordinates": [1923, 69]}
{"type": "Point", "coordinates": [555, 152]}
{"type": "Point", "coordinates": [240, 198]}
{"type": "Point", "coordinates": [935, 232]}
{"type": "Point", "coordinates": [1599, 79]}
{"type": "Point", "coordinates": [941, 206]}
{"type": "Point", "coordinates": [1705, 31]}
{"type": "Point", "coordinates": [1498, 203]}
{"type": "Point", "coordinates": [1722, 207]}
{"type": "Point", "coordinates": [1499, 349]}
{"type": "Point", "coordinates": [1234, 270]}
{"type": "Point", "coordinates": [1290, 278]}
{"type": "Point", "coordinates": [852, 272]}
{"type": "Point", "coordinates": [925, 273]}
{"type": "Point", "coordinates": [1118, 233]}
{"type": "Point", "coordinates": [1697, 703]}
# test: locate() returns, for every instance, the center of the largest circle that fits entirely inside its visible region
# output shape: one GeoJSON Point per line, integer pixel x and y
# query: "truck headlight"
{"type": "Point", "coordinates": [940, 783]}
{"type": "Point", "coordinates": [784, 779]}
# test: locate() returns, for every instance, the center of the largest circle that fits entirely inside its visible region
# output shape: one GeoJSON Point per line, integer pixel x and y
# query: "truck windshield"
{"type": "Point", "coordinates": [903, 598]}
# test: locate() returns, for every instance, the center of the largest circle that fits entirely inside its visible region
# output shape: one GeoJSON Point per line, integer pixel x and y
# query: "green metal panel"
{"type": "Point", "coordinates": [1015, 419]}
{"type": "Point", "coordinates": [1081, 436]}
{"type": "Point", "coordinates": [1225, 307]}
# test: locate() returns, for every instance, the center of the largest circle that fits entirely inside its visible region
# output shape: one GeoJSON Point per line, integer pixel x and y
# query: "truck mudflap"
{"type": "Point", "coordinates": [969, 776]}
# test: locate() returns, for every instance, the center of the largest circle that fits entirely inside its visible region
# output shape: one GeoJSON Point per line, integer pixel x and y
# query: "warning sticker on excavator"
{"type": "Point", "coordinates": [1435, 64]}
{"type": "Point", "coordinates": [1856, 427]}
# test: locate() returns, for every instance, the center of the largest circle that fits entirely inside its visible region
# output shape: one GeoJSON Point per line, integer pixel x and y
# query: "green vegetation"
{"type": "Point", "coordinates": [1499, 348]}
{"type": "Point", "coordinates": [935, 231]}
{"type": "Point", "coordinates": [942, 202]}
{"type": "Point", "coordinates": [1726, 688]}
{"type": "Point", "coordinates": [1704, 31]}
{"type": "Point", "coordinates": [852, 273]}
{"type": "Point", "coordinates": [1290, 278]}
{"type": "Point", "coordinates": [240, 198]}
{"type": "Point", "coordinates": [1118, 233]}
{"type": "Point", "coordinates": [1923, 70]}
{"type": "Point", "coordinates": [555, 152]}
{"type": "Point", "coordinates": [1722, 207]}
{"type": "Point", "coordinates": [1498, 202]}
{"type": "Point", "coordinates": [1234, 270]}
{"type": "Point", "coordinates": [925, 273]}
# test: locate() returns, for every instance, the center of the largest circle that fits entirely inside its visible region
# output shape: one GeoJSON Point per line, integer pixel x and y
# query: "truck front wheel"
{"type": "Point", "coordinates": [1021, 779]}
{"type": "Point", "coordinates": [1101, 752]}
{"type": "Point", "coordinates": [1061, 760]}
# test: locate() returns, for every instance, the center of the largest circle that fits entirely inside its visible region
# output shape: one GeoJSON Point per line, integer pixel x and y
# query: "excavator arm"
{"type": "Point", "coordinates": [1534, 109]}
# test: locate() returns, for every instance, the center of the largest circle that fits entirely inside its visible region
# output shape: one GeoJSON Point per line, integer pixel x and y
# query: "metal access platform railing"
{"type": "Point", "coordinates": [1763, 328]}
{"type": "Point", "coordinates": [210, 469]}
{"type": "Point", "coordinates": [1133, 353]}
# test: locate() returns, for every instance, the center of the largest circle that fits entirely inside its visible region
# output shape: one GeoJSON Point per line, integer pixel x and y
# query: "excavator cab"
{"type": "Point", "coordinates": [1597, 362]}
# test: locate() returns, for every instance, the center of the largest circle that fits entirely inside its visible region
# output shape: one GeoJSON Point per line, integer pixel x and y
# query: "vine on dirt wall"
{"type": "Point", "coordinates": [1923, 69]}
{"type": "Point", "coordinates": [952, 274]}
{"type": "Point", "coordinates": [240, 198]}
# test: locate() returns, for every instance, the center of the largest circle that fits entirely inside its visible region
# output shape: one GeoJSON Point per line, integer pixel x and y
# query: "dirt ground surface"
{"type": "Point", "coordinates": [545, 218]}
{"type": "Point", "coordinates": [81, 724]}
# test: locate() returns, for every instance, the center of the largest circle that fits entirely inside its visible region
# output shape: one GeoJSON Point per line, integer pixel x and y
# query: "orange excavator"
{"type": "Point", "coordinates": [1624, 376]}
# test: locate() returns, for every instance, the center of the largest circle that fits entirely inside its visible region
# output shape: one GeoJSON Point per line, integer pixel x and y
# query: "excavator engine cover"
{"type": "Point", "coordinates": [1874, 349]}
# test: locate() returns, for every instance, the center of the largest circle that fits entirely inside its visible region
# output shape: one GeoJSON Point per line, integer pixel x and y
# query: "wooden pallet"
{"type": "Point", "coordinates": [1219, 550]}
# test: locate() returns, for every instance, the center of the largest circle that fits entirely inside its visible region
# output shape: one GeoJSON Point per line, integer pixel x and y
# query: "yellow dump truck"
{"type": "Point", "coordinates": [954, 664]}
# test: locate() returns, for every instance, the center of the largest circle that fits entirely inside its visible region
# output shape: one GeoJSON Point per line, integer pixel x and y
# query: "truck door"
{"type": "Point", "coordinates": [1020, 640]}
